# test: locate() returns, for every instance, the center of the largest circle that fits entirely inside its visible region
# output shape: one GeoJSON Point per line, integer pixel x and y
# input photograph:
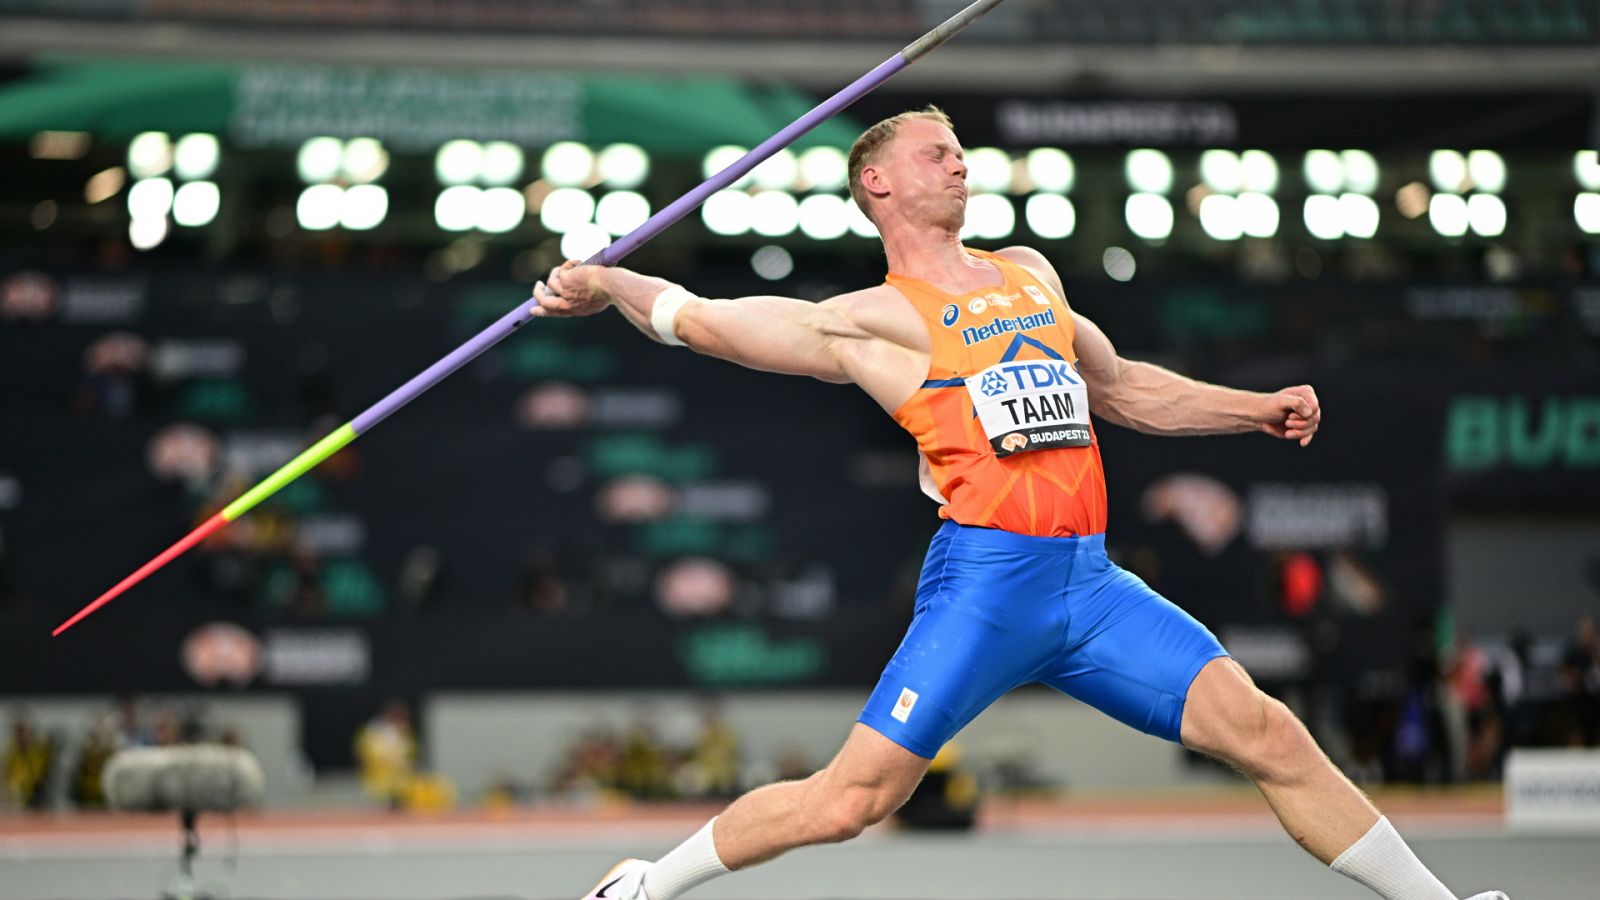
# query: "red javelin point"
{"type": "Point", "coordinates": [189, 540]}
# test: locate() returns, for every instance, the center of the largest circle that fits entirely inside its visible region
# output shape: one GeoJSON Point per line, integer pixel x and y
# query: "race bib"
{"type": "Point", "coordinates": [1035, 405]}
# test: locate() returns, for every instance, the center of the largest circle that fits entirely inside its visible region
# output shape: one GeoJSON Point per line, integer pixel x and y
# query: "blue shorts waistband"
{"type": "Point", "coordinates": [1023, 543]}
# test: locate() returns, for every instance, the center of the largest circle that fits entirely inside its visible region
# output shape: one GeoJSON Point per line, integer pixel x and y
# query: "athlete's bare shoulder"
{"type": "Point", "coordinates": [883, 312]}
{"type": "Point", "coordinates": [1035, 262]}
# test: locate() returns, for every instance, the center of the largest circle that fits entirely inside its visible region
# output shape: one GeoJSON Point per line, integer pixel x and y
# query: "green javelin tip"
{"type": "Point", "coordinates": [291, 470]}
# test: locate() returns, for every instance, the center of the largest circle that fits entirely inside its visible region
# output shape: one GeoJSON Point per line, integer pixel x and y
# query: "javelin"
{"type": "Point", "coordinates": [516, 318]}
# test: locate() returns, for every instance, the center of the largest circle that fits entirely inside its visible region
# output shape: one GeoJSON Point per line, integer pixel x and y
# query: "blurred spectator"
{"type": "Point", "coordinates": [86, 787]}
{"type": "Point", "coordinates": [646, 766]}
{"type": "Point", "coordinates": [1580, 685]}
{"type": "Point", "coordinates": [640, 765]}
{"type": "Point", "coordinates": [112, 367]}
{"type": "Point", "coordinates": [592, 764]}
{"type": "Point", "coordinates": [712, 768]}
{"type": "Point", "coordinates": [28, 759]}
{"type": "Point", "coordinates": [541, 588]}
{"type": "Point", "coordinates": [386, 752]}
{"type": "Point", "coordinates": [130, 731]}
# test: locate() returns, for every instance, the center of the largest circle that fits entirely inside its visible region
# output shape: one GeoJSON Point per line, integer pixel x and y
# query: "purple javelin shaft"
{"type": "Point", "coordinates": [516, 318]}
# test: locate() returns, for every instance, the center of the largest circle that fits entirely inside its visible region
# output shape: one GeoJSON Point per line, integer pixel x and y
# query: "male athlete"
{"type": "Point", "coordinates": [979, 356]}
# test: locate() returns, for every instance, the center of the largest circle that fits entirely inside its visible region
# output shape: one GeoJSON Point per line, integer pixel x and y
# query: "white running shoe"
{"type": "Point", "coordinates": [1490, 895]}
{"type": "Point", "coordinates": [625, 881]}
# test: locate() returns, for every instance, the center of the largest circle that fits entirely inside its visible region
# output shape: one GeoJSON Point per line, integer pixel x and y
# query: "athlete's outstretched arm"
{"type": "Point", "coordinates": [1148, 398]}
{"type": "Point", "coordinates": [773, 334]}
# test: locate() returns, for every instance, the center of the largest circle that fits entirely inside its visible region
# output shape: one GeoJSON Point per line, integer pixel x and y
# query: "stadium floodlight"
{"type": "Point", "coordinates": [824, 217]}
{"type": "Point", "coordinates": [456, 208]}
{"type": "Point", "coordinates": [720, 158]}
{"type": "Point", "coordinates": [1586, 211]}
{"type": "Point", "coordinates": [620, 212]}
{"type": "Point", "coordinates": [458, 162]}
{"type": "Point", "coordinates": [319, 206]}
{"type": "Point", "coordinates": [1219, 217]}
{"type": "Point", "coordinates": [772, 262]}
{"type": "Point", "coordinates": [147, 233]}
{"type": "Point", "coordinates": [774, 213]}
{"type": "Point", "coordinates": [1360, 171]}
{"type": "Point", "coordinates": [150, 198]}
{"type": "Point", "coordinates": [1586, 167]}
{"type": "Point", "coordinates": [624, 166]}
{"type": "Point", "coordinates": [1486, 213]}
{"type": "Point", "coordinates": [195, 156]}
{"type": "Point", "coordinates": [584, 241]}
{"type": "Point", "coordinates": [149, 155]}
{"type": "Point", "coordinates": [1222, 171]}
{"type": "Point", "coordinates": [1323, 218]}
{"type": "Point", "coordinates": [1488, 171]}
{"type": "Point", "coordinates": [364, 207]}
{"type": "Point", "coordinates": [1149, 216]}
{"type": "Point", "coordinates": [1448, 213]}
{"type": "Point", "coordinates": [824, 168]}
{"type": "Point", "coordinates": [502, 164]}
{"type": "Point", "coordinates": [104, 184]}
{"type": "Point", "coordinates": [989, 169]}
{"type": "Point", "coordinates": [779, 173]}
{"type": "Point", "coordinates": [1447, 169]}
{"type": "Point", "coordinates": [1324, 171]}
{"type": "Point", "coordinates": [1148, 171]}
{"type": "Point", "coordinates": [567, 164]}
{"type": "Point", "coordinates": [318, 159]}
{"type": "Point", "coordinates": [1258, 214]}
{"type": "Point", "coordinates": [1051, 216]}
{"type": "Point", "coordinates": [1359, 214]}
{"type": "Point", "coordinates": [363, 161]}
{"type": "Point", "coordinates": [990, 217]}
{"type": "Point", "coordinates": [196, 203]}
{"type": "Point", "coordinates": [1258, 171]}
{"type": "Point", "coordinates": [1051, 170]}
{"type": "Point", "coordinates": [564, 209]}
{"type": "Point", "coordinates": [727, 212]}
{"type": "Point", "coordinates": [501, 209]}
{"type": "Point", "coordinates": [1119, 264]}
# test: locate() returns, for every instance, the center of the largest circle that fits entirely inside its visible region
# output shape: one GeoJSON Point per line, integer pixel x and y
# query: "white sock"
{"type": "Point", "coordinates": [691, 863]}
{"type": "Point", "coordinates": [1382, 861]}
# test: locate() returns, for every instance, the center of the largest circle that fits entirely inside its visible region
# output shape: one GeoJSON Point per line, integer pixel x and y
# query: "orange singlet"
{"type": "Point", "coordinates": [1002, 420]}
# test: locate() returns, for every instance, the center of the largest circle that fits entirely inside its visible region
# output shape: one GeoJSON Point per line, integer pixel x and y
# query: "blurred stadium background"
{"type": "Point", "coordinates": [589, 588]}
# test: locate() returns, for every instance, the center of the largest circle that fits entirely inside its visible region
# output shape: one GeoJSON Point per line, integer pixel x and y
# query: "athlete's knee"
{"type": "Point", "coordinates": [1269, 742]}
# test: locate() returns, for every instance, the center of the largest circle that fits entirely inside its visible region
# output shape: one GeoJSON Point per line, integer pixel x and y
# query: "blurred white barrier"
{"type": "Point", "coordinates": [480, 737]}
{"type": "Point", "coordinates": [1553, 790]}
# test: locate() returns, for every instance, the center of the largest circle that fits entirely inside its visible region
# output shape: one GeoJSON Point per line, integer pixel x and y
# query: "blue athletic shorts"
{"type": "Point", "coordinates": [996, 610]}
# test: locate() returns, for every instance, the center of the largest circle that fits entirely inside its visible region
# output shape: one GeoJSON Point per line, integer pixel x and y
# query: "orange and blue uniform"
{"type": "Point", "coordinates": [1016, 587]}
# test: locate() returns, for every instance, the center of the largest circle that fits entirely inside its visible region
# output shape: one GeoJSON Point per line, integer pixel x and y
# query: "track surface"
{"type": "Point", "coordinates": [1219, 846]}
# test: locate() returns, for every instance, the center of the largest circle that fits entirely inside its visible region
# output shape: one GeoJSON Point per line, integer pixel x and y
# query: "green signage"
{"type": "Point", "coordinates": [1486, 432]}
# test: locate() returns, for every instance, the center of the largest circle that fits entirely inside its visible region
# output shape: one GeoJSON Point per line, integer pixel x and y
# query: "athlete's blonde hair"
{"type": "Point", "coordinates": [866, 148]}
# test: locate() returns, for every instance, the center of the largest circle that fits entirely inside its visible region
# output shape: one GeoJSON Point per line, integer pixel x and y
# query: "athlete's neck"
{"type": "Point", "coordinates": [939, 259]}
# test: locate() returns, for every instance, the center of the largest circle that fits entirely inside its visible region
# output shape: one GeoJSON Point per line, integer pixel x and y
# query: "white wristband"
{"type": "Point", "coordinates": [664, 313]}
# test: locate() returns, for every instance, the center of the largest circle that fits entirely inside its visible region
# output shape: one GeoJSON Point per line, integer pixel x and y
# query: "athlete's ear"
{"type": "Point", "coordinates": [875, 179]}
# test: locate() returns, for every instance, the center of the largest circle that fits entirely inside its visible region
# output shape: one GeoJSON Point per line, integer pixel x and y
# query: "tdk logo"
{"type": "Point", "coordinates": [981, 333]}
{"type": "Point", "coordinates": [951, 314]}
{"type": "Point", "coordinates": [1025, 376]}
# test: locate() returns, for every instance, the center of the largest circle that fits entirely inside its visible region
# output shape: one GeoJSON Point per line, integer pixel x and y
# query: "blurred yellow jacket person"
{"type": "Point", "coordinates": [386, 751]}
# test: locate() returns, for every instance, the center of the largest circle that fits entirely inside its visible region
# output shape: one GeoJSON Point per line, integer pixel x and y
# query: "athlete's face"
{"type": "Point", "coordinates": [925, 175]}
